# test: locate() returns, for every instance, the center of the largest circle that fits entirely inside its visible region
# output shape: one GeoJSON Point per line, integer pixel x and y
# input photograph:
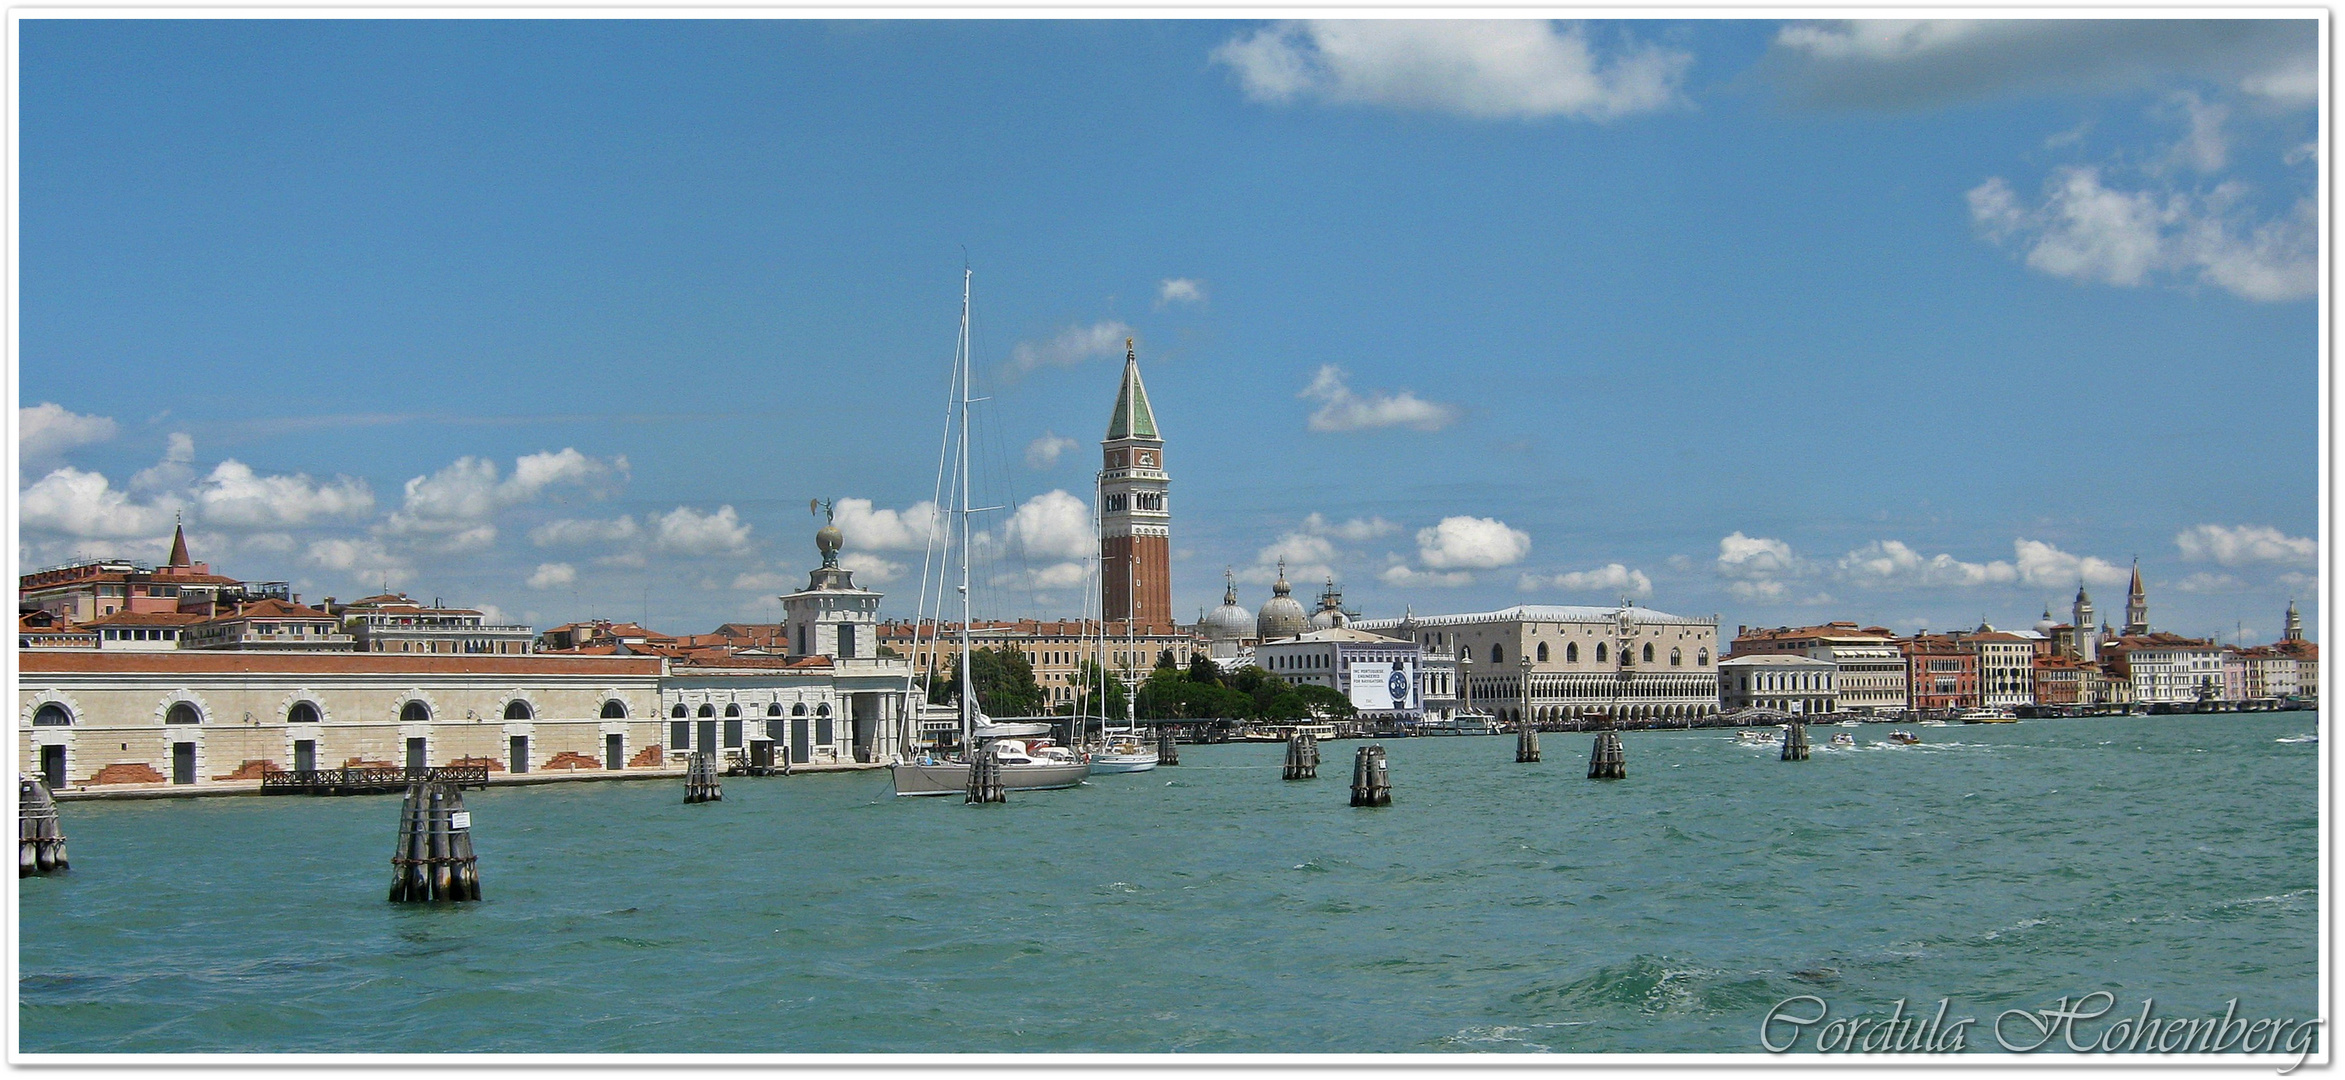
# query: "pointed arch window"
{"type": "Point", "coordinates": [1542, 652]}
{"type": "Point", "coordinates": [1571, 652]}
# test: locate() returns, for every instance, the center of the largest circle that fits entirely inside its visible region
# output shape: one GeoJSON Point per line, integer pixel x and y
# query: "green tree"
{"type": "Point", "coordinates": [1326, 702]}
{"type": "Point", "coordinates": [1005, 683]}
{"type": "Point", "coordinates": [1202, 669]}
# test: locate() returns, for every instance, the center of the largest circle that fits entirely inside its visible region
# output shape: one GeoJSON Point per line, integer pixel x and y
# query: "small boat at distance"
{"type": "Point", "coordinates": [1842, 738]}
{"type": "Point", "coordinates": [1903, 737]}
{"type": "Point", "coordinates": [1987, 716]}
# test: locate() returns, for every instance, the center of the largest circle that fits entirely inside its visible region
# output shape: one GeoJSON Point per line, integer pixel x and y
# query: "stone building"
{"type": "Point", "coordinates": [1941, 673]}
{"type": "Point", "coordinates": [1378, 674]}
{"type": "Point", "coordinates": [396, 622]}
{"type": "Point", "coordinates": [1871, 673]}
{"type": "Point", "coordinates": [1281, 616]}
{"type": "Point", "coordinates": [1783, 682]}
{"type": "Point", "coordinates": [1575, 662]}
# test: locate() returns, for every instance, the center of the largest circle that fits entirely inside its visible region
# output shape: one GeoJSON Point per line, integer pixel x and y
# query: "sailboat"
{"type": "Point", "coordinates": [934, 774]}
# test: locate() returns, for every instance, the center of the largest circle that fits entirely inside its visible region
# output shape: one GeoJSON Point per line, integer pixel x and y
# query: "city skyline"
{"type": "Point", "coordinates": [1913, 325]}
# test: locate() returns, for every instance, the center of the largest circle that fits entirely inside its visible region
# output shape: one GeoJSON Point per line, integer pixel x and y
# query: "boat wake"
{"type": "Point", "coordinates": [2309, 736]}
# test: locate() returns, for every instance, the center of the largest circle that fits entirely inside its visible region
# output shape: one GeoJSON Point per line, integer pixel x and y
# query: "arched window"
{"type": "Point", "coordinates": [1571, 652]}
{"type": "Point", "coordinates": [823, 709]}
{"type": "Point", "coordinates": [1676, 657]}
{"type": "Point", "coordinates": [52, 715]}
{"type": "Point", "coordinates": [1542, 652]}
{"type": "Point", "coordinates": [774, 709]}
{"type": "Point", "coordinates": [518, 710]}
{"type": "Point", "coordinates": [614, 709]}
{"type": "Point", "coordinates": [183, 712]}
{"type": "Point", "coordinates": [732, 710]}
{"type": "Point", "coordinates": [414, 712]}
{"type": "Point", "coordinates": [1702, 658]}
{"type": "Point", "coordinates": [679, 712]}
{"type": "Point", "coordinates": [1648, 652]}
{"type": "Point", "coordinates": [302, 712]}
{"type": "Point", "coordinates": [708, 710]}
{"type": "Point", "coordinates": [1599, 652]}
{"type": "Point", "coordinates": [1498, 654]}
{"type": "Point", "coordinates": [799, 709]}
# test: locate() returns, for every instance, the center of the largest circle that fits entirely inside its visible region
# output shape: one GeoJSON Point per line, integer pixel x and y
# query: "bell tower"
{"type": "Point", "coordinates": [2081, 625]}
{"type": "Point", "coordinates": [2137, 605]}
{"type": "Point", "coordinates": [1135, 518]}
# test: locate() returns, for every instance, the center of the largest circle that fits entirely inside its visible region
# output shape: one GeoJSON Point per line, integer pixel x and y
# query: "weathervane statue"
{"type": "Point", "coordinates": [828, 538]}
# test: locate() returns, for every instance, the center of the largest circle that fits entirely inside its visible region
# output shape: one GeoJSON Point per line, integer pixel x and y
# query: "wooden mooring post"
{"type": "Point", "coordinates": [433, 859]}
{"type": "Point", "coordinates": [1302, 757]}
{"type": "Point", "coordinates": [1371, 778]}
{"type": "Point", "coordinates": [1609, 759]}
{"type": "Point", "coordinates": [700, 779]}
{"type": "Point", "coordinates": [1526, 743]}
{"type": "Point", "coordinates": [1795, 742]}
{"type": "Point", "coordinates": [40, 841]}
{"type": "Point", "coordinates": [985, 779]}
{"type": "Point", "coordinates": [1168, 752]}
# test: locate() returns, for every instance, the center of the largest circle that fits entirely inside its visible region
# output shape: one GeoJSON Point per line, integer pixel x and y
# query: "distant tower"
{"type": "Point", "coordinates": [2088, 647]}
{"type": "Point", "coordinates": [2137, 605]}
{"type": "Point", "coordinates": [1135, 520]}
{"type": "Point", "coordinates": [2295, 631]}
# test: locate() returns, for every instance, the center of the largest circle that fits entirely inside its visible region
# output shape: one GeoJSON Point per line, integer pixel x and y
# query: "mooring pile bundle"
{"type": "Point", "coordinates": [1609, 759]}
{"type": "Point", "coordinates": [985, 778]}
{"type": "Point", "coordinates": [700, 779]}
{"type": "Point", "coordinates": [1302, 757]}
{"type": "Point", "coordinates": [1795, 742]}
{"type": "Point", "coordinates": [40, 841]}
{"type": "Point", "coordinates": [1371, 778]}
{"type": "Point", "coordinates": [1167, 751]}
{"type": "Point", "coordinates": [1526, 743]}
{"type": "Point", "coordinates": [433, 860]}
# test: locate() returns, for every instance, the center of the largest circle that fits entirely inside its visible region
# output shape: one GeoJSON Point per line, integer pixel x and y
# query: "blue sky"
{"type": "Point", "coordinates": [1911, 324]}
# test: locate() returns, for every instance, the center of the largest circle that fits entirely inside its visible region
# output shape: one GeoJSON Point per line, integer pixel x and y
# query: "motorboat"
{"type": "Point", "coordinates": [1475, 724]}
{"type": "Point", "coordinates": [1756, 736]}
{"type": "Point", "coordinates": [1903, 737]}
{"type": "Point", "coordinates": [1842, 738]}
{"type": "Point", "coordinates": [1987, 716]}
{"type": "Point", "coordinates": [1850, 723]}
{"type": "Point", "coordinates": [1931, 723]}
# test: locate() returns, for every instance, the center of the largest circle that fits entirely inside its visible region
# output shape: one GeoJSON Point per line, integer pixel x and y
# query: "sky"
{"type": "Point", "coordinates": [1918, 324]}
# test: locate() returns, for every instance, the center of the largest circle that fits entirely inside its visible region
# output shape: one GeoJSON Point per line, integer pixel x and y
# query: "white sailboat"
{"type": "Point", "coordinates": [935, 774]}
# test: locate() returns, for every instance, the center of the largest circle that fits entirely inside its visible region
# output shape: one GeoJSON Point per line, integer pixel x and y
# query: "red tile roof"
{"type": "Point", "coordinates": [206, 662]}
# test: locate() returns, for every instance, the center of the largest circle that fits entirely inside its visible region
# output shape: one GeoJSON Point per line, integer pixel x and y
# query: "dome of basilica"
{"type": "Point", "coordinates": [1229, 622]}
{"type": "Point", "coordinates": [1281, 616]}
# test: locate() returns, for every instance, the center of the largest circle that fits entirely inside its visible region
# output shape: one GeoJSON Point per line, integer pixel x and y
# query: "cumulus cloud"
{"type": "Point", "coordinates": [1402, 575]}
{"type": "Point", "coordinates": [1308, 557]}
{"type": "Point", "coordinates": [236, 496]}
{"type": "Point", "coordinates": [87, 505]}
{"type": "Point", "coordinates": [175, 471]}
{"type": "Point", "coordinates": [2084, 230]}
{"type": "Point", "coordinates": [1354, 530]}
{"type": "Point", "coordinates": [572, 532]}
{"type": "Point", "coordinates": [463, 497]}
{"type": "Point", "coordinates": [1044, 452]}
{"type": "Point", "coordinates": [1072, 346]}
{"type": "Point", "coordinates": [870, 528]}
{"type": "Point", "coordinates": [1742, 556]}
{"type": "Point", "coordinates": [685, 531]}
{"type": "Point", "coordinates": [765, 581]}
{"type": "Point", "coordinates": [1891, 562]}
{"type": "Point", "coordinates": [1471, 543]}
{"type": "Point", "coordinates": [2204, 582]}
{"type": "Point", "coordinates": [1758, 589]}
{"type": "Point", "coordinates": [1900, 63]}
{"type": "Point", "coordinates": [47, 430]}
{"type": "Point", "coordinates": [1610, 578]}
{"type": "Point", "coordinates": [1341, 409]}
{"type": "Point", "coordinates": [1053, 576]}
{"type": "Point", "coordinates": [874, 569]}
{"type": "Point", "coordinates": [2246, 544]}
{"type": "Point", "coordinates": [367, 562]}
{"type": "Point", "coordinates": [1500, 69]}
{"type": "Point", "coordinates": [2040, 563]}
{"type": "Point", "coordinates": [1052, 525]}
{"type": "Point", "coordinates": [553, 575]}
{"type": "Point", "coordinates": [1180, 291]}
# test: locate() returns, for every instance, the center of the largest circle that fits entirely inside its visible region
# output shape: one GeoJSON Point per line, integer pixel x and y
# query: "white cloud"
{"type": "Point", "coordinates": [1308, 557]}
{"type": "Point", "coordinates": [1402, 575]}
{"type": "Point", "coordinates": [469, 491]}
{"type": "Point", "coordinates": [1742, 556]}
{"type": "Point", "coordinates": [1052, 525]}
{"type": "Point", "coordinates": [2204, 582]}
{"type": "Point", "coordinates": [874, 569]}
{"type": "Point", "coordinates": [48, 430]}
{"type": "Point", "coordinates": [1758, 589]}
{"type": "Point", "coordinates": [2203, 147]}
{"type": "Point", "coordinates": [1610, 578]}
{"type": "Point", "coordinates": [1044, 452]}
{"type": "Point", "coordinates": [1911, 63]}
{"type": "Point", "coordinates": [1053, 576]}
{"type": "Point", "coordinates": [85, 504]}
{"type": "Point", "coordinates": [176, 469]}
{"type": "Point", "coordinates": [2086, 231]}
{"type": "Point", "coordinates": [765, 581]}
{"type": "Point", "coordinates": [1342, 410]}
{"type": "Point", "coordinates": [2245, 544]}
{"type": "Point", "coordinates": [571, 532]}
{"type": "Point", "coordinates": [553, 575]}
{"type": "Point", "coordinates": [234, 495]}
{"type": "Point", "coordinates": [366, 561]}
{"type": "Point", "coordinates": [1354, 530]}
{"type": "Point", "coordinates": [685, 531]}
{"type": "Point", "coordinates": [1890, 562]}
{"type": "Point", "coordinates": [1486, 69]}
{"type": "Point", "coordinates": [1072, 346]}
{"type": "Point", "coordinates": [1180, 291]}
{"type": "Point", "coordinates": [870, 529]}
{"type": "Point", "coordinates": [2040, 563]}
{"type": "Point", "coordinates": [1472, 543]}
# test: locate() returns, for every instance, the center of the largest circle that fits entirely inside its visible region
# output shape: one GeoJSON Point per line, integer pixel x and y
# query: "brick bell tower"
{"type": "Point", "coordinates": [1135, 519]}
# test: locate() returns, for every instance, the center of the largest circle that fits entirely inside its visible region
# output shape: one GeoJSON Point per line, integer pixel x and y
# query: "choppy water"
{"type": "Point", "coordinates": [1212, 907]}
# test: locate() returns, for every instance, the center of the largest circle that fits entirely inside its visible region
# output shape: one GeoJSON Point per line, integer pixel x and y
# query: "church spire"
{"type": "Point", "coordinates": [1133, 418]}
{"type": "Point", "coordinates": [2295, 630]}
{"type": "Point", "coordinates": [179, 544]}
{"type": "Point", "coordinates": [2137, 604]}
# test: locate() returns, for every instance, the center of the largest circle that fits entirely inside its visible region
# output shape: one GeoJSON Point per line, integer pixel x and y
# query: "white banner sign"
{"type": "Point", "coordinates": [461, 819]}
{"type": "Point", "coordinates": [1372, 687]}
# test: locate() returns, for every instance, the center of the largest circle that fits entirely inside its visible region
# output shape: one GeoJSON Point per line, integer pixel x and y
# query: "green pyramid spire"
{"type": "Point", "coordinates": [1133, 418]}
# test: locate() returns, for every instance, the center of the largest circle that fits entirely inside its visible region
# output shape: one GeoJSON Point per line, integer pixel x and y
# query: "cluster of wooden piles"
{"type": "Point", "coordinates": [985, 778]}
{"type": "Point", "coordinates": [433, 859]}
{"type": "Point", "coordinates": [1371, 778]}
{"type": "Point", "coordinates": [700, 779]}
{"type": "Point", "coordinates": [1302, 757]}
{"type": "Point", "coordinates": [40, 840]}
{"type": "Point", "coordinates": [1608, 760]}
{"type": "Point", "coordinates": [1795, 742]}
{"type": "Point", "coordinates": [1168, 752]}
{"type": "Point", "coordinates": [1526, 744]}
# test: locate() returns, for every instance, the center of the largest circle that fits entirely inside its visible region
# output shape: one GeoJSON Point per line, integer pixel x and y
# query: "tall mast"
{"type": "Point", "coordinates": [968, 683]}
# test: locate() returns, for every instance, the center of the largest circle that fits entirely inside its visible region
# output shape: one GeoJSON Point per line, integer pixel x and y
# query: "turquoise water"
{"type": "Point", "coordinates": [1213, 907]}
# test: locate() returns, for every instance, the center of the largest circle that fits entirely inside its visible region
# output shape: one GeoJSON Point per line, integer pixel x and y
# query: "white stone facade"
{"type": "Point", "coordinates": [1630, 662]}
